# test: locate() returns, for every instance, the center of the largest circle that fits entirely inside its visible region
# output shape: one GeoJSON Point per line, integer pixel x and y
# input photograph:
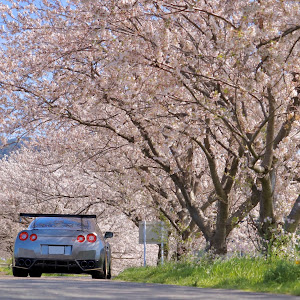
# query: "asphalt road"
{"type": "Point", "coordinates": [87, 288]}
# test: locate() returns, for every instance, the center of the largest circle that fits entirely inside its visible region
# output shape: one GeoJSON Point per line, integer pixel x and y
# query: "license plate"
{"type": "Point", "coordinates": [56, 250]}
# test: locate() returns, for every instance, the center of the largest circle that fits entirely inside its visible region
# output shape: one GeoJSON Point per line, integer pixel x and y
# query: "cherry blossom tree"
{"type": "Point", "coordinates": [204, 95]}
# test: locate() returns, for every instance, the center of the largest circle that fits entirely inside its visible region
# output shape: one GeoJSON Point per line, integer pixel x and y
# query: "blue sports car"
{"type": "Point", "coordinates": [60, 243]}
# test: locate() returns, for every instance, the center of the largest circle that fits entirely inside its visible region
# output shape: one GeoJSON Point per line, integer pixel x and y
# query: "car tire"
{"type": "Point", "coordinates": [108, 276]}
{"type": "Point", "coordinates": [35, 274]}
{"type": "Point", "coordinates": [19, 272]}
{"type": "Point", "coordinates": [100, 274]}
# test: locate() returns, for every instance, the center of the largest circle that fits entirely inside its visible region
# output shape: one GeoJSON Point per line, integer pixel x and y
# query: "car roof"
{"type": "Point", "coordinates": [34, 215]}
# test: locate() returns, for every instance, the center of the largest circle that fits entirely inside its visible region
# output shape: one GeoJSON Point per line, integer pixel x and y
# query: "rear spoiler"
{"type": "Point", "coordinates": [57, 215]}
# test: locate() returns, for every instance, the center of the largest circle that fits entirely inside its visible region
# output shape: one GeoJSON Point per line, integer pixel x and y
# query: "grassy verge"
{"type": "Point", "coordinates": [249, 274]}
{"type": "Point", "coordinates": [5, 268]}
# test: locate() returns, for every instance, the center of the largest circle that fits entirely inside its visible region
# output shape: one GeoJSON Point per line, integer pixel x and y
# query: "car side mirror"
{"type": "Point", "coordinates": [108, 235]}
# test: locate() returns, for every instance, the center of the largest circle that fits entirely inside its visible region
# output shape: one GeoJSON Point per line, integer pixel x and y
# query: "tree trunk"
{"type": "Point", "coordinates": [268, 223]}
{"type": "Point", "coordinates": [165, 253]}
{"type": "Point", "coordinates": [217, 242]}
{"type": "Point", "coordinates": [267, 219]}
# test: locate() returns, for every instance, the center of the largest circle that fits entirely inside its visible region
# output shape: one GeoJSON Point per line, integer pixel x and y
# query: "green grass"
{"type": "Point", "coordinates": [5, 268]}
{"type": "Point", "coordinates": [249, 274]}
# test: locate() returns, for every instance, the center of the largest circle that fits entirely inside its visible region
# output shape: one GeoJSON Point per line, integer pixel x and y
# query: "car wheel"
{"type": "Point", "coordinates": [100, 274]}
{"type": "Point", "coordinates": [19, 272]}
{"type": "Point", "coordinates": [109, 273]}
{"type": "Point", "coordinates": [35, 274]}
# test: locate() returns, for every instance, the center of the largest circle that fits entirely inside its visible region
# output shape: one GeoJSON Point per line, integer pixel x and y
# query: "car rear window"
{"type": "Point", "coordinates": [62, 223]}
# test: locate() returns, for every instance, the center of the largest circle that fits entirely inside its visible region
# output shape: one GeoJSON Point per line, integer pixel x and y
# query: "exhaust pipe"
{"type": "Point", "coordinates": [21, 262]}
{"type": "Point", "coordinates": [84, 264]}
{"type": "Point", "coordinates": [91, 264]}
{"type": "Point", "coordinates": [27, 262]}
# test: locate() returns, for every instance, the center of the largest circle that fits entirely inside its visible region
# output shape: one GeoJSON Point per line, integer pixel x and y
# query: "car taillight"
{"type": "Point", "coordinates": [91, 238]}
{"type": "Point", "coordinates": [23, 236]}
{"type": "Point", "coordinates": [80, 238]}
{"type": "Point", "coordinates": [33, 237]}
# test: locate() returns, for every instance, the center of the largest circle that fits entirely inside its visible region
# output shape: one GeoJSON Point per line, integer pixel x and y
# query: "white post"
{"type": "Point", "coordinates": [144, 243]}
{"type": "Point", "coordinates": [162, 243]}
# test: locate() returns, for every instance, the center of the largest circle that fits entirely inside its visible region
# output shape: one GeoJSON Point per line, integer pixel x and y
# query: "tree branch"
{"type": "Point", "coordinates": [243, 210]}
{"type": "Point", "coordinates": [286, 32]}
{"type": "Point", "coordinates": [293, 219]}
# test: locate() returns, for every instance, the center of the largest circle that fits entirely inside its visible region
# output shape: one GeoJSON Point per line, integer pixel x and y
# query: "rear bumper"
{"type": "Point", "coordinates": [57, 266]}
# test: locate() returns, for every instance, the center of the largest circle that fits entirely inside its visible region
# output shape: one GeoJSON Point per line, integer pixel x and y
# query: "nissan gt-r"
{"type": "Point", "coordinates": [60, 243]}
